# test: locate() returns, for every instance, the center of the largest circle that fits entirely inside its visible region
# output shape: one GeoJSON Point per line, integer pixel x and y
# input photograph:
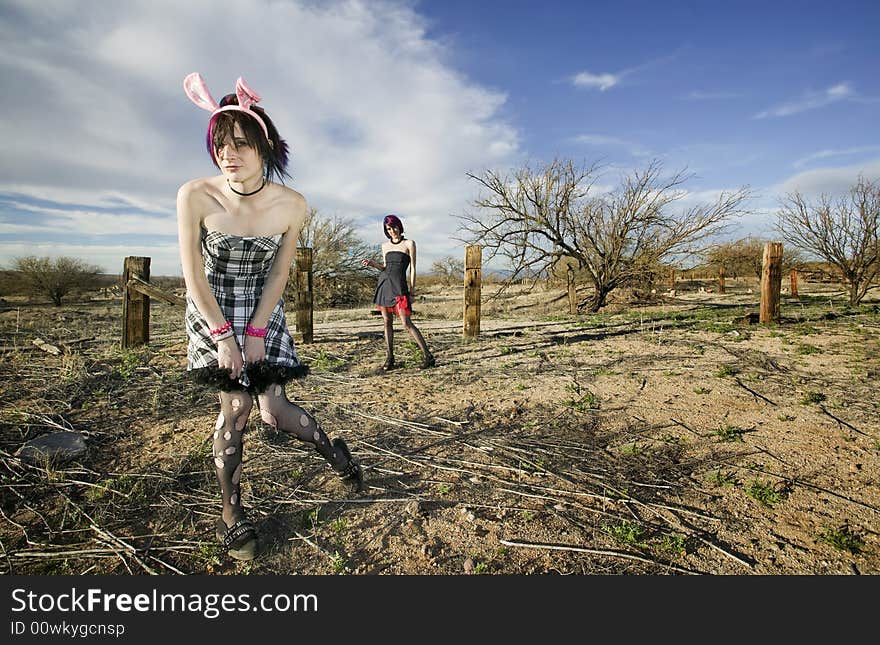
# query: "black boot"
{"type": "Point", "coordinates": [349, 470]}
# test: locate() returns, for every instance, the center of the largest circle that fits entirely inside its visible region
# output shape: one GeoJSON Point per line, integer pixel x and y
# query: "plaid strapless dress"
{"type": "Point", "coordinates": [236, 268]}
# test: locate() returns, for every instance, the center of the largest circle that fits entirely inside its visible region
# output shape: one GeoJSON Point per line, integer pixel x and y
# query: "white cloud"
{"type": "Point", "coordinates": [760, 218]}
{"type": "Point", "coordinates": [601, 82]}
{"type": "Point", "coordinates": [831, 181]}
{"type": "Point", "coordinates": [828, 181]}
{"type": "Point", "coordinates": [376, 120]}
{"type": "Point", "coordinates": [85, 222]}
{"type": "Point", "coordinates": [825, 154]}
{"type": "Point", "coordinates": [811, 101]}
{"type": "Point", "coordinates": [607, 80]}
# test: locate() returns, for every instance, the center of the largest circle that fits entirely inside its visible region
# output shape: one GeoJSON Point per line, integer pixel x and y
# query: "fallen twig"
{"type": "Point", "coordinates": [686, 427]}
{"type": "Point", "coordinates": [393, 454]}
{"type": "Point", "coordinates": [752, 392]}
{"type": "Point", "coordinates": [107, 535]}
{"type": "Point", "coordinates": [796, 481]}
{"type": "Point", "coordinates": [724, 552]}
{"type": "Point", "coordinates": [613, 554]}
{"type": "Point", "coordinates": [315, 546]}
{"type": "Point", "coordinates": [398, 422]}
{"type": "Point", "coordinates": [842, 422]}
{"type": "Point", "coordinates": [455, 423]}
{"type": "Point", "coordinates": [105, 552]}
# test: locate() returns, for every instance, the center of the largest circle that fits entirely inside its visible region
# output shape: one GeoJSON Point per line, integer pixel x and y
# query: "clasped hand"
{"type": "Point", "coordinates": [254, 349]}
{"type": "Point", "coordinates": [230, 357]}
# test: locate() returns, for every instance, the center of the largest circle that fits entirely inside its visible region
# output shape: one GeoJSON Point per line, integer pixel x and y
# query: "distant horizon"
{"type": "Point", "coordinates": [486, 273]}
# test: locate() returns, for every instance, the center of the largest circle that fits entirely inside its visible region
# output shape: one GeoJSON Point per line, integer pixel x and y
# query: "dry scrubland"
{"type": "Point", "coordinates": [653, 438]}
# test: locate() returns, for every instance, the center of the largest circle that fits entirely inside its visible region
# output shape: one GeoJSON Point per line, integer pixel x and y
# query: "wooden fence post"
{"type": "Point", "coordinates": [135, 305]}
{"type": "Point", "coordinates": [572, 292]}
{"type": "Point", "coordinates": [303, 283]}
{"type": "Point", "coordinates": [672, 278]}
{"type": "Point", "coordinates": [473, 267]}
{"type": "Point", "coordinates": [721, 280]}
{"type": "Point", "coordinates": [793, 280]}
{"type": "Point", "coordinates": [771, 282]}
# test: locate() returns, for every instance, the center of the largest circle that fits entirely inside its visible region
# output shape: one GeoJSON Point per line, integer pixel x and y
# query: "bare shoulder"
{"type": "Point", "coordinates": [195, 198]}
{"type": "Point", "coordinates": [197, 191]}
{"type": "Point", "coordinates": [291, 198]}
{"type": "Point", "coordinates": [293, 205]}
{"type": "Point", "coordinates": [195, 186]}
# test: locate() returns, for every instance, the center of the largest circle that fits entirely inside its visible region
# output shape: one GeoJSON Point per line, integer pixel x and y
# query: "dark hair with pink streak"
{"type": "Point", "coordinates": [393, 221]}
{"type": "Point", "coordinates": [222, 125]}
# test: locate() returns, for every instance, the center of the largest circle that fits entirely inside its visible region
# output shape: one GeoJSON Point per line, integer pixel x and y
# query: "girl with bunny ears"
{"type": "Point", "coordinates": [238, 233]}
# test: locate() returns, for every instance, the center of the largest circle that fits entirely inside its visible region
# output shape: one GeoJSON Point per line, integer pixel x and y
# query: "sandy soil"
{"type": "Point", "coordinates": [664, 438]}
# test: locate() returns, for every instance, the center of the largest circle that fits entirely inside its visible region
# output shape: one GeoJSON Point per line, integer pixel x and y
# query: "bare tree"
{"type": "Point", "coordinates": [746, 257]}
{"type": "Point", "coordinates": [741, 257]}
{"type": "Point", "coordinates": [55, 278]}
{"type": "Point", "coordinates": [337, 274]}
{"type": "Point", "coordinates": [538, 217]}
{"type": "Point", "coordinates": [843, 232]}
{"type": "Point", "coordinates": [449, 269]}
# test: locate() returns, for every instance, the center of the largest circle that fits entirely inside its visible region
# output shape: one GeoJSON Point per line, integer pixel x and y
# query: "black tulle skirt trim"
{"type": "Point", "coordinates": [259, 377]}
{"type": "Point", "coordinates": [262, 375]}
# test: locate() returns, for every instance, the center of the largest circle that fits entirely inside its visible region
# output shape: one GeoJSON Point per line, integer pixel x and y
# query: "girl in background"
{"type": "Point", "coordinates": [395, 289]}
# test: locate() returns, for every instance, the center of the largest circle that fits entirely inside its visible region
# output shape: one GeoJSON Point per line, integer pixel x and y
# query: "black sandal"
{"type": "Point", "coordinates": [351, 473]}
{"type": "Point", "coordinates": [240, 539]}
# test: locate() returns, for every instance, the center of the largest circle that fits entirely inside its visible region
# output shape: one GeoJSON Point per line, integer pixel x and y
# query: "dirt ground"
{"type": "Point", "coordinates": [669, 437]}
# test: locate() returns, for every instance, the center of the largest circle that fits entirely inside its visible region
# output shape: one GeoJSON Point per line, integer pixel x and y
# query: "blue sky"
{"type": "Point", "coordinates": [387, 106]}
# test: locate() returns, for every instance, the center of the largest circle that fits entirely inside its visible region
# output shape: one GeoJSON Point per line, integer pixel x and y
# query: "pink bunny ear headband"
{"type": "Point", "coordinates": [197, 91]}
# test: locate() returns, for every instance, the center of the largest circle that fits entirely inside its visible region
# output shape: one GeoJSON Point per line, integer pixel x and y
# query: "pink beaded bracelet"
{"type": "Point", "coordinates": [222, 328]}
{"type": "Point", "coordinates": [257, 332]}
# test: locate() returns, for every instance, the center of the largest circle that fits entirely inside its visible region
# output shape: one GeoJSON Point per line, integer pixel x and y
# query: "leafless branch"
{"type": "Point", "coordinates": [541, 219]}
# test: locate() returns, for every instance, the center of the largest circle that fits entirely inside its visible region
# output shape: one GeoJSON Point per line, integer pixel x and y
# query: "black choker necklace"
{"type": "Point", "coordinates": [397, 242]}
{"type": "Point", "coordinates": [254, 192]}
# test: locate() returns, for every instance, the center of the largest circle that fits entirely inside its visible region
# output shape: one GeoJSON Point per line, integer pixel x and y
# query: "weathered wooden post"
{"type": "Point", "coordinates": [572, 292]}
{"type": "Point", "coordinates": [771, 282]}
{"type": "Point", "coordinates": [672, 278]}
{"type": "Point", "coordinates": [303, 283]}
{"type": "Point", "coordinates": [721, 280]}
{"type": "Point", "coordinates": [135, 305]}
{"type": "Point", "coordinates": [793, 280]}
{"type": "Point", "coordinates": [473, 267]}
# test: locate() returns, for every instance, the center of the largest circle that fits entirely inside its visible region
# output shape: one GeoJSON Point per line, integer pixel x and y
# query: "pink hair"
{"type": "Point", "coordinates": [393, 221]}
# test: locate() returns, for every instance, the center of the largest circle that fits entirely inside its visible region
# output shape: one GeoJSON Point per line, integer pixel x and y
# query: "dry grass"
{"type": "Point", "coordinates": [653, 438]}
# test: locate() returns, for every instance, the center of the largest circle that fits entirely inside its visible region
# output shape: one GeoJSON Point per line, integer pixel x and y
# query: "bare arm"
{"type": "Point", "coordinates": [367, 262]}
{"type": "Point", "coordinates": [191, 203]}
{"type": "Point", "coordinates": [412, 268]}
{"type": "Point", "coordinates": [189, 236]}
